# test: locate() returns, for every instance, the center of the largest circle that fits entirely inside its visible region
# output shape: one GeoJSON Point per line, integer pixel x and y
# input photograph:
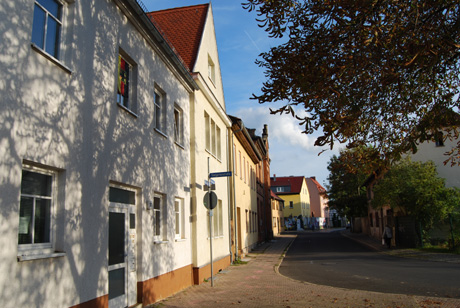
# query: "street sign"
{"type": "Point", "coordinates": [220, 174]}
{"type": "Point", "coordinates": [210, 202]}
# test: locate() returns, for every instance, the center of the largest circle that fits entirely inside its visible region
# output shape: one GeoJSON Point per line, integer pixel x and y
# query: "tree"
{"type": "Point", "coordinates": [415, 189]}
{"type": "Point", "coordinates": [347, 173]}
{"type": "Point", "coordinates": [369, 72]}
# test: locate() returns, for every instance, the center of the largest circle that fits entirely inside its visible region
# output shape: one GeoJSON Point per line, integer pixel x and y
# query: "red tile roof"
{"type": "Point", "coordinates": [182, 27]}
{"type": "Point", "coordinates": [274, 196]}
{"type": "Point", "coordinates": [321, 189]}
{"type": "Point", "coordinates": [295, 182]}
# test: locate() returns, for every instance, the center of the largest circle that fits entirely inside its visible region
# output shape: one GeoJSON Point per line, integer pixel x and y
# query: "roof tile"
{"type": "Point", "coordinates": [182, 27]}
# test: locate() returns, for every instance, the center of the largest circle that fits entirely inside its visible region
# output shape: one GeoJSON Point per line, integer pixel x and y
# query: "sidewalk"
{"type": "Point", "coordinates": [258, 284]}
{"type": "Point", "coordinates": [403, 253]}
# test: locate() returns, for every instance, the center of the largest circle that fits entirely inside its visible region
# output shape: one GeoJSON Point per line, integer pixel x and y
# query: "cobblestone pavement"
{"type": "Point", "coordinates": [258, 284]}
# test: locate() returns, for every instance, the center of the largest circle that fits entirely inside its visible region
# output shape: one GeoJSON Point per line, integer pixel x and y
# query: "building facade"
{"type": "Point", "coordinates": [294, 191]}
{"type": "Point", "coordinates": [247, 158]}
{"type": "Point", "coordinates": [95, 162]}
{"type": "Point", "coordinates": [191, 32]}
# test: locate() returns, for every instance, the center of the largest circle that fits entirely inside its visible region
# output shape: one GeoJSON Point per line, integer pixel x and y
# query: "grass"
{"type": "Point", "coordinates": [438, 249]}
{"type": "Point", "coordinates": [239, 262]}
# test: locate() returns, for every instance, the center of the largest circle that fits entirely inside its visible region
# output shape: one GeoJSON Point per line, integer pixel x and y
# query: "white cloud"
{"type": "Point", "coordinates": [284, 130]}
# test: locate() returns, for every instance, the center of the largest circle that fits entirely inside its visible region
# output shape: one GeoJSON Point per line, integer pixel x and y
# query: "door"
{"type": "Point", "coordinates": [117, 265]}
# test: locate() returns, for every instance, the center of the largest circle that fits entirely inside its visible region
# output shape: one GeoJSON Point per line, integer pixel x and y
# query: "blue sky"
{"type": "Point", "coordinates": [240, 41]}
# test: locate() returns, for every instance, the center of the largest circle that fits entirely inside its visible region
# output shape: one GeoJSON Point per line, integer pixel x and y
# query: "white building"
{"type": "Point", "coordinates": [191, 32]}
{"type": "Point", "coordinates": [95, 156]}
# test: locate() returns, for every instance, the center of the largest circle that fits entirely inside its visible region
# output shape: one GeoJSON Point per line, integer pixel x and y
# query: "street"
{"type": "Point", "coordinates": [333, 260]}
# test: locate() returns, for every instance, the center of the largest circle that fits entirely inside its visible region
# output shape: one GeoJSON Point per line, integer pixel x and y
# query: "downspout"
{"type": "Point", "coordinates": [229, 202]}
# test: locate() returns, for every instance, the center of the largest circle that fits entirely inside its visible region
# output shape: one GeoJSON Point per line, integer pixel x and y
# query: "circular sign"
{"type": "Point", "coordinates": [210, 200]}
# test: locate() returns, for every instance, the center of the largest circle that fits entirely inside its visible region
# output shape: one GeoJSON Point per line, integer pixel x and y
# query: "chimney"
{"type": "Point", "coordinates": [265, 132]}
{"type": "Point", "coordinates": [313, 177]}
{"type": "Point", "coordinates": [274, 178]}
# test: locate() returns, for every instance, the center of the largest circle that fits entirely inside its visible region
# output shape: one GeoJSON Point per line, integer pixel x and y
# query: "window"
{"type": "Point", "coordinates": [159, 101]}
{"type": "Point", "coordinates": [46, 29]}
{"type": "Point", "coordinates": [241, 166]}
{"type": "Point", "coordinates": [211, 70]}
{"type": "Point", "coordinates": [213, 137]}
{"type": "Point", "coordinates": [439, 139]}
{"type": "Point", "coordinates": [36, 210]}
{"type": "Point", "coordinates": [235, 161]}
{"type": "Point", "coordinates": [291, 204]}
{"type": "Point", "coordinates": [244, 167]}
{"type": "Point", "coordinates": [217, 221]}
{"type": "Point", "coordinates": [159, 219]}
{"type": "Point", "coordinates": [179, 215]}
{"type": "Point", "coordinates": [219, 148]}
{"type": "Point", "coordinates": [207, 131]}
{"type": "Point", "coordinates": [247, 221]}
{"type": "Point", "coordinates": [178, 126]}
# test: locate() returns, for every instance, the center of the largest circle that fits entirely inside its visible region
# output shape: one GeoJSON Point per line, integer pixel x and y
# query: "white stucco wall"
{"type": "Point", "coordinates": [429, 151]}
{"type": "Point", "coordinates": [71, 122]}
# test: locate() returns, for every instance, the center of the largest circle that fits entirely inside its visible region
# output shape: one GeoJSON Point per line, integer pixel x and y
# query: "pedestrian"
{"type": "Point", "coordinates": [387, 236]}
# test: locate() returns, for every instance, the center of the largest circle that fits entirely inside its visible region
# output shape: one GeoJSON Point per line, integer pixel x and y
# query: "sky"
{"type": "Point", "coordinates": [240, 41]}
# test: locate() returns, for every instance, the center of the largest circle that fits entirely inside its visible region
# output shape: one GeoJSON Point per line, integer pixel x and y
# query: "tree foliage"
{"type": "Point", "coordinates": [368, 72]}
{"type": "Point", "coordinates": [347, 173]}
{"type": "Point", "coordinates": [415, 189]}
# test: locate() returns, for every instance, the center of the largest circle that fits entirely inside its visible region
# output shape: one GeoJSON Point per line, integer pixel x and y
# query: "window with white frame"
{"type": "Point", "coordinates": [180, 218]}
{"type": "Point", "coordinates": [159, 101]}
{"type": "Point", "coordinates": [218, 141]}
{"type": "Point", "coordinates": [126, 83]}
{"type": "Point", "coordinates": [235, 160]}
{"type": "Point", "coordinates": [36, 213]}
{"type": "Point", "coordinates": [207, 124]}
{"type": "Point", "coordinates": [159, 217]}
{"type": "Point", "coordinates": [47, 24]}
{"type": "Point", "coordinates": [217, 220]}
{"type": "Point", "coordinates": [213, 137]}
{"type": "Point", "coordinates": [178, 125]}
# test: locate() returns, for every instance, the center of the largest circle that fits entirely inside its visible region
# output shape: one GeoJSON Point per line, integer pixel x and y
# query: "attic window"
{"type": "Point", "coordinates": [439, 139]}
{"type": "Point", "coordinates": [211, 70]}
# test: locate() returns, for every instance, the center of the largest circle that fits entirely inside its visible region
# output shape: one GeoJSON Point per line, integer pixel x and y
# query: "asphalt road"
{"type": "Point", "coordinates": [334, 260]}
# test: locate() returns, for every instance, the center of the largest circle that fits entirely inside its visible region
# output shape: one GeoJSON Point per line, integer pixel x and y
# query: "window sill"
{"type": "Point", "coordinates": [160, 242]}
{"type": "Point", "coordinates": [31, 257]}
{"type": "Point", "coordinates": [161, 133]}
{"type": "Point", "coordinates": [51, 58]}
{"type": "Point", "coordinates": [180, 240]}
{"type": "Point", "coordinates": [127, 110]}
{"type": "Point", "coordinates": [179, 145]}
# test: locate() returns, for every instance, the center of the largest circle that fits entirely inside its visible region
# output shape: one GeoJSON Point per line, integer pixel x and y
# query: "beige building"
{"type": "Point", "coordinates": [191, 31]}
{"type": "Point", "coordinates": [277, 205]}
{"type": "Point", "coordinates": [246, 161]}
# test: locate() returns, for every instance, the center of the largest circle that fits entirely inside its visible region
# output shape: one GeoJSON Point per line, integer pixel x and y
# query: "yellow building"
{"type": "Point", "coordinates": [294, 191]}
{"type": "Point", "coordinates": [246, 162]}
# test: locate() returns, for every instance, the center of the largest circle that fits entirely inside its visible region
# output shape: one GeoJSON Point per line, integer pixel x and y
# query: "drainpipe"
{"type": "Point", "coordinates": [229, 203]}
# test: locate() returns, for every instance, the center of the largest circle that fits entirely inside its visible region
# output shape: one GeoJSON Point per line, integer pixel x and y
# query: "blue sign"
{"type": "Point", "coordinates": [220, 174]}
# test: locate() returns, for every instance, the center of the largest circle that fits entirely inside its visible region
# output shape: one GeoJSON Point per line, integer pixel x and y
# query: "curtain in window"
{"type": "Point", "coordinates": [123, 73]}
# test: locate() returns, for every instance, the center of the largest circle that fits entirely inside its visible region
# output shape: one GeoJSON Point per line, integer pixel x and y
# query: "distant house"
{"type": "Point", "coordinates": [277, 206]}
{"type": "Point", "coordinates": [318, 198]}
{"type": "Point", "coordinates": [426, 151]}
{"type": "Point", "coordinates": [294, 191]}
